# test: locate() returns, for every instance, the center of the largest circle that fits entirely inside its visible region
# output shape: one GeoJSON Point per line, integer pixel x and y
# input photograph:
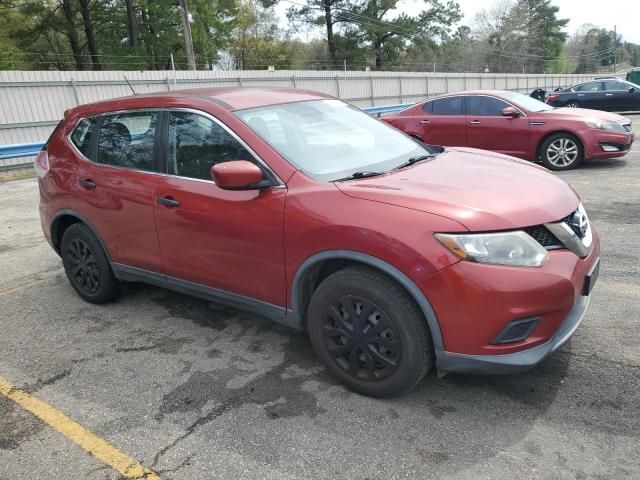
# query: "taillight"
{"type": "Point", "coordinates": [552, 98]}
{"type": "Point", "coordinates": [41, 163]}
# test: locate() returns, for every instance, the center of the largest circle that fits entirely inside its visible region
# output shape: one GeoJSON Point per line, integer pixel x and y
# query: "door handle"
{"type": "Point", "coordinates": [475, 122]}
{"type": "Point", "coordinates": [167, 201]}
{"type": "Point", "coordinates": [608, 94]}
{"type": "Point", "coordinates": [88, 184]}
{"type": "Point", "coordinates": [425, 122]}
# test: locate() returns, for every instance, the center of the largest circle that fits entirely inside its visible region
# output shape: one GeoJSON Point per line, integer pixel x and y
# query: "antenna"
{"type": "Point", "coordinates": [129, 83]}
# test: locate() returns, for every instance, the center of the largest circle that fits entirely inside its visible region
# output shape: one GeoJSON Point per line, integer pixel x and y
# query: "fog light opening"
{"type": "Point", "coordinates": [609, 148]}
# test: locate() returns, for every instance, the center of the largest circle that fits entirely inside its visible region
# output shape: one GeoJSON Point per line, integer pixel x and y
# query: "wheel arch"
{"type": "Point", "coordinates": [554, 132]}
{"type": "Point", "coordinates": [63, 219]}
{"type": "Point", "coordinates": [320, 265]}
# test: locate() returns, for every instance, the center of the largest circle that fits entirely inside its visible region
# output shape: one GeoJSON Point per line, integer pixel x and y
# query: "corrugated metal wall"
{"type": "Point", "coordinates": [31, 103]}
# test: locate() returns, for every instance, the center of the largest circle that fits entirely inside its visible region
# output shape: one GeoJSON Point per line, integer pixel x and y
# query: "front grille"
{"type": "Point", "coordinates": [544, 237]}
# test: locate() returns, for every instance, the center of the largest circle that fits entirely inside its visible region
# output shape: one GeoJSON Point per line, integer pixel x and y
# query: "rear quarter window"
{"type": "Point", "coordinates": [82, 135]}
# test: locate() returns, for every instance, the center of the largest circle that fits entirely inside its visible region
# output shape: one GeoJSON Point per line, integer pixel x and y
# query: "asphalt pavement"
{"type": "Point", "coordinates": [196, 390]}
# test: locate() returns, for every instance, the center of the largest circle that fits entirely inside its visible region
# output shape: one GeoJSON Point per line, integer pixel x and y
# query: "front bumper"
{"type": "Point", "coordinates": [518, 361]}
{"type": "Point", "coordinates": [597, 143]}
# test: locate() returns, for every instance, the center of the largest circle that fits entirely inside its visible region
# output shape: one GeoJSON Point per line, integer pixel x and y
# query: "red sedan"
{"type": "Point", "coordinates": [517, 125]}
{"type": "Point", "coordinates": [394, 256]}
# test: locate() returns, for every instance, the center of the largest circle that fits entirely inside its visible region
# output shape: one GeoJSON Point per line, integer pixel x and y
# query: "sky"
{"type": "Point", "coordinates": [625, 14]}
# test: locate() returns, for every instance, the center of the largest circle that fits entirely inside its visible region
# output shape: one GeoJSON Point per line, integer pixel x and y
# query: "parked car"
{"type": "Point", "coordinates": [392, 255]}
{"type": "Point", "coordinates": [609, 94]}
{"type": "Point", "coordinates": [515, 124]}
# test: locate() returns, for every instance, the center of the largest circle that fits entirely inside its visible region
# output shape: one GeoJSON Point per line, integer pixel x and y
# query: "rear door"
{"type": "Point", "coordinates": [442, 122]}
{"type": "Point", "coordinates": [116, 183]}
{"type": "Point", "coordinates": [591, 95]}
{"type": "Point", "coordinates": [620, 97]}
{"type": "Point", "coordinates": [488, 129]}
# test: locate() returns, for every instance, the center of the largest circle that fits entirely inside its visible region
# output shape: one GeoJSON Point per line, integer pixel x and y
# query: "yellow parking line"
{"type": "Point", "coordinates": [94, 445]}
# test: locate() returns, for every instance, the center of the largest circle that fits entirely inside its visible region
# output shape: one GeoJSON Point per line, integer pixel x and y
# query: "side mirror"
{"type": "Point", "coordinates": [510, 112]}
{"type": "Point", "coordinates": [632, 89]}
{"type": "Point", "coordinates": [237, 175]}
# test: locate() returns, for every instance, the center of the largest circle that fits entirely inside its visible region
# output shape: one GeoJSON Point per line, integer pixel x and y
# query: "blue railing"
{"type": "Point", "coordinates": [32, 149]}
{"type": "Point", "coordinates": [377, 111]}
{"type": "Point", "coordinates": [20, 150]}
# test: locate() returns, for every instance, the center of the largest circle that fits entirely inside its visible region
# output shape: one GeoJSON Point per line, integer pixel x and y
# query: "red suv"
{"type": "Point", "coordinates": [393, 256]}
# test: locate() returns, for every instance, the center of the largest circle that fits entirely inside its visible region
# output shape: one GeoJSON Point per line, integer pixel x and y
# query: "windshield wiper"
{"type": "Point", "coordinates": [361, 174]}
{"type": "Point", "coordinates": [414, 160]}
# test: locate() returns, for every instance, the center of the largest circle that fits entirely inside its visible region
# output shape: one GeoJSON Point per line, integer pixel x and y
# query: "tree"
{"type": "Point", "coordinates": [188, 41]}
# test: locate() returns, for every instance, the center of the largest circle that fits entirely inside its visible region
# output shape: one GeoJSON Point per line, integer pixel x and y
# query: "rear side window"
{"type": "Point", "coordinates": [485, 106]}
{"type": "Point", "coordinates": [447, 106]}
{"type": "Point", "coordinates": [82, 135]}
{"type": "Point", "coordinates": [127, 140]}
{"type": "Point", "coordinates": [589, 87]}
{"type": "Point", "coordinates": [196, 143]}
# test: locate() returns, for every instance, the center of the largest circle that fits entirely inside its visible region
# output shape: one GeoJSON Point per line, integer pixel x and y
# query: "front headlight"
{"type": "Point", "coordinates": [611, 127]}
{"type": "Point", "coordinates": [515, 249]}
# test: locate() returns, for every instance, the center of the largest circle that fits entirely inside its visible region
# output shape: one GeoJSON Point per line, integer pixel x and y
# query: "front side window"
{"type": "Point", "coordinates": [589, 87]}
{"type": "Point", "coordinates": [329, 139]}
{"type": "Point", "coordinates": [196, 143]}
{"type": "Point", "coordinates": [448, 106]}
{"type": "Point", "coordinates": [485, 106]}
{"type": "Point", "coordinates": [82, 135]}
{"type": "Point", "coordinates": [127, 139]}
{"type": "Point", "coordinates": [612, 85]}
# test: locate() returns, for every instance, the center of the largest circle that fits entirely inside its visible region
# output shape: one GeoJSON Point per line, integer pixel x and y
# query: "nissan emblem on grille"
{"type": "Point", "coordinates": [580, 224]}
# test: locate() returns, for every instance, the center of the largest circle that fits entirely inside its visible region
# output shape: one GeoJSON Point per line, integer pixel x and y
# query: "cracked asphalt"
{"type": "Point", "coordinates": [197, 390]}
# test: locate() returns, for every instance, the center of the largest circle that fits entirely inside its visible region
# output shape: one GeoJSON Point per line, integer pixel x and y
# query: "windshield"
{"type": "Point", "coordinates": [527, 102]}
{"type": "Point", "coordinates": [330, 140]}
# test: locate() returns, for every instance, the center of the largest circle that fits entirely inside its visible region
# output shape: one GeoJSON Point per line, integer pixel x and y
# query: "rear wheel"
{"type": "Point", "coordinates": [573, 104]}
{"type": "Point", "coordinates": [561, 151]}
{"type": "Point", "coordinates": [369, 332]}
{"type": "Point", "coordinates": [87, 266]}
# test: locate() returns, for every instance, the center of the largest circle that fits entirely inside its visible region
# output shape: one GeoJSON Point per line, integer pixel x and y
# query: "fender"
{"type": "Point", "coordinates": [83, 219]}
{"type": "Point", "coordinates": [294, 316]}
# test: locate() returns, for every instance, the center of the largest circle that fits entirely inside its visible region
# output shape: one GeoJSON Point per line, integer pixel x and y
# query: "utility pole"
{"type": "Point", "coordinates": [188, 41]}
{"type": "Point", "coordinates": [615, 41]}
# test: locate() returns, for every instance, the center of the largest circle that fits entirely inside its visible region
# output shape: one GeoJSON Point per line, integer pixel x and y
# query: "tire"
{"type": "Point", "coordinates": [573, 104]}
{"type": "Point", "coordinates": [392, 351]}
{"type": "Point", "coordinates": [87, 266]}
{"type": "Point", "coordinates": [561, 151]}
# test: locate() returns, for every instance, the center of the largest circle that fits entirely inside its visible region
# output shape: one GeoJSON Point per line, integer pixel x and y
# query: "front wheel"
{"type": "Point", "coordinates": [369, 332]}
{"type": "Point", "coordinates": [573, 104]}
{"type": "Point", "coordinates": [561, 151]}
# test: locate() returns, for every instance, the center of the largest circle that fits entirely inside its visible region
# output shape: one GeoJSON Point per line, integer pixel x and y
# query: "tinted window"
{"type": "Point", "coordinates": [447, 106]}
{"type": "Point", "coordinates": [614, 85]}
{"type": "Point", "coordinates": [427, 107]}
{"type": "Point", "coordinates": [589, 87]}
{"type": "Point", "coordinates": [485, 106]}
{"type": "Point", "coordinates": [196, 143]}
{"type": "Point", "coordinates": [82, 135]}
{"type": "Point", "coordinates": [126, 140]}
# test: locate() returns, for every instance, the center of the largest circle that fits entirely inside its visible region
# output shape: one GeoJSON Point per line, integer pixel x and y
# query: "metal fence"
{"type": "Point", "coordinates": [32, 103]}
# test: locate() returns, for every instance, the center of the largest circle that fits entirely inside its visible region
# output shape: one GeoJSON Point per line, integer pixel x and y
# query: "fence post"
{"type": "Point", "coordinates": [400, 87]}
{"type": "Point", "coordinates": [426, 81]}
{"type": "Point", "coordinates": [293, 81]}
{"type": "Point", "coordinates": [75, 91]}
{"type": "Point", "coordinates": [239, 81]}
{"type": "Point", "coordinates": [464, 81]}
{"type": "Point", "coordinates": [338, 87]}
{"type": "Point", "coordinates": [168, 84]}
{"type": "Point", "coordinates": [446, 84]}
{"type": "Point", "coordinates": [371, 87]}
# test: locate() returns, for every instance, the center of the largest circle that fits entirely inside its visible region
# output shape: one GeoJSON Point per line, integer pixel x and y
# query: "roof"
{"type": "Point", "coordinates": [238, 98]}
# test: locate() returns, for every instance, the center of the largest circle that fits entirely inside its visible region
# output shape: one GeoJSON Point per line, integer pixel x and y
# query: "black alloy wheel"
{"type": "Point", "coordinates": [84, 273]}
{"type": "Point", "coordinates": [361, 339]}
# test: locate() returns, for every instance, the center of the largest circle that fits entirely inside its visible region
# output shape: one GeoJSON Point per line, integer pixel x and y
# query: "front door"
{"type": "Point", "coordinates": [227, 240]}
{"type": "Point", "coordinates": [488, 129]}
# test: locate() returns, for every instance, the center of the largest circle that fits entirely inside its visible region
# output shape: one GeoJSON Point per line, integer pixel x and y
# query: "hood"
{"type": "Point", "coordinates": [584, 114]}
{"type": "Point", "coordinates": [482, 190]}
